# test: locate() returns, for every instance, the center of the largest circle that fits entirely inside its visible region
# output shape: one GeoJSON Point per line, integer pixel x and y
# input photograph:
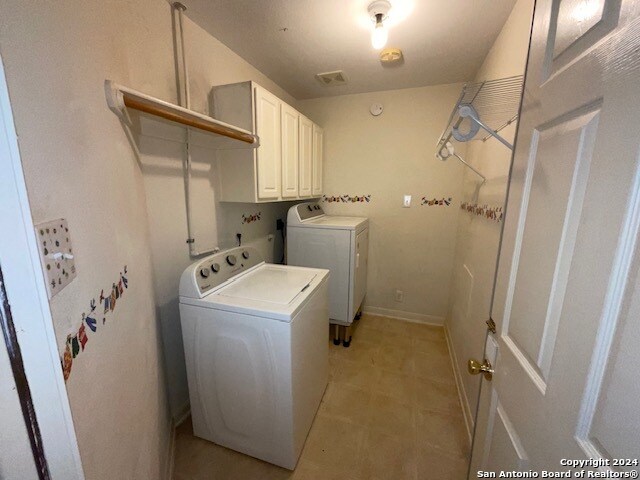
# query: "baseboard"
{"type": "Point", "coordinates": [182, 415]}
{"type": "Point", "coordinates": [407, 316]}
{"type": "Point", "coordinates": [175, 423]}
{"type": "Point", "coordinates": [462, 393]}
{"type": "Point", "coordinates": [171, 454]}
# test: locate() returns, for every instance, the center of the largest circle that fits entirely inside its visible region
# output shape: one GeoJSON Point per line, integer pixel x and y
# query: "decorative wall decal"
{"type": "Point", "coordinates": [436, 201]}
{"type": "Point", "coordinates": [251, 218]}
{"type": "Point", "coordinates": [82, 337]}
{"type": "Point", "coordinates": [492, 213]}
{"type": "Point", "coordinates": [56, 254]}
{"type": "Point", "coordinates": [76, 343]}
{"type": "Point", "coordinates": [67, 361]}
{"type": "Point", "coordinates": [347, 199]}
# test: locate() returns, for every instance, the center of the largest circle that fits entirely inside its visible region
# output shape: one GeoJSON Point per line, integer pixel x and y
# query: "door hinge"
{"type": "Point", "coordinates": [491, 325]}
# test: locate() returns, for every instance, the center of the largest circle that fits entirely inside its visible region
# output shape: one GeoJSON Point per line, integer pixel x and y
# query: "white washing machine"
{"type": "Point", "coordinates": [339, 244]}
{"type": "Point", "coordinates": [256, 352]}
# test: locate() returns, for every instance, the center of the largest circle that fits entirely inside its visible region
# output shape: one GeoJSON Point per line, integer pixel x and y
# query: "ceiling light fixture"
{"type": "Point", "coordinates": [379, 11]}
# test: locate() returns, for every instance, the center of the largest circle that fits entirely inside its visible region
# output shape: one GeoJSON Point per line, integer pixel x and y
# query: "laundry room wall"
{"type": "Point", "coordinates": [79, 165]}
{"type": "Point", "coordinates": [210, 63]}
{"type": "Point", "coordinates": [478, 238]}
{"type": "Point", "coordinates": [410, 249]}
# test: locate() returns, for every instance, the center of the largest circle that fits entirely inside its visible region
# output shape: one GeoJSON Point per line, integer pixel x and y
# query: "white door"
{"type": "Point", "coordinates": [567, 299]}
{"type": "Point", "coordinates": [318, 138]}
{"type": "Point", "coordinates": [268, 153]}
{"type": "Point", "coordinates": [16, 457]}
{"type": "Point", "coordinates": [24, 291]}
{"type": "Point", "coordinates": [289, 120]}
{"type": "Point", "coordinates": [306, 156]}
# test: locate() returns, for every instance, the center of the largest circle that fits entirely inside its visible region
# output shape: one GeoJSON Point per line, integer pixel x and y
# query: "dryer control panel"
{"type": "Point", "coordinates": [210, 272]}
{"type": "Point", "coordinates": [304, 211]}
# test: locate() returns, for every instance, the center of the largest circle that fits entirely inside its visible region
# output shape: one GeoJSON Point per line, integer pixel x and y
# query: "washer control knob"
{"type": "Point", "coordinates": [245, 254]}
{"type": "Point", "coordinates": [231, 260]}
{"type": "Point", "coordinates": [204, 272]}
{"type": "Point", "coordinates": [215, 268]}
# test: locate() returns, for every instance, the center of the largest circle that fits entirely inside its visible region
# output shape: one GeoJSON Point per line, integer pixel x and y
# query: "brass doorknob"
{"type": "Point", "coordinates": [476, 368]}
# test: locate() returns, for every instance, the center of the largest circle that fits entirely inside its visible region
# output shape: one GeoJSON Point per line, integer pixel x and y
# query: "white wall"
{"type": "Point", "coordinates": [410, 249]}
{"type": "Point", "coordinates": [477, 237]}
{"type": "Point", "coordinates": [210, 63]}
{"type": "Point", "coordinates": [79, 165]}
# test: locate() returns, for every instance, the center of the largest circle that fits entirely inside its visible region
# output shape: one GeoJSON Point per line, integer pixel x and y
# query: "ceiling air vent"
{"type": "Point", "coordinates": [330, 79]}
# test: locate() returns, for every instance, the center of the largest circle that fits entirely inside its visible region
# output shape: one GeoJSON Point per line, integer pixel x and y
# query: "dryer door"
{"type": "Point", "coordinates": [361, 261]}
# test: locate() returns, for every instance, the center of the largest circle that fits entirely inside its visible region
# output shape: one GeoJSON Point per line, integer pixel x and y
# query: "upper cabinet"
{"type": "Point", "coordinates": [305, 146]}
{"type": "Point", "coordinates": [269, 153]}
{"type": "Point", "coordinates": [318, 142]}
{"type": "Point", "coordinates": [290, 121]}
{"type": "Point", "coordinates": [288, 163]}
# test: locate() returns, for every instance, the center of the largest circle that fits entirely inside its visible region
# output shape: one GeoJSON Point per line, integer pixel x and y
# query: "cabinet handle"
{"type": "Point", "coordinates": [357, 260]}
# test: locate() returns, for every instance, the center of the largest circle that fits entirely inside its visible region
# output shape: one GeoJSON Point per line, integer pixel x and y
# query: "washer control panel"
{"type": "Point", "coordinates": [214, 270]}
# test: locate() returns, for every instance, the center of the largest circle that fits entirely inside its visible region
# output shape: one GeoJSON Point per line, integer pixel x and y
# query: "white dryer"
{"type": "Point", "coordinates": [256, 352]}
{"type": "Point", "coordinates": [339, 244]}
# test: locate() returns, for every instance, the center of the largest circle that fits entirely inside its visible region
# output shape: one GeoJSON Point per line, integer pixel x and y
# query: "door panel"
{"type": "Point", "coordinates": [318, 139]}
{"type": "Point", "coordinates": [566, 301]}
{"type": "Point", "coordinates": [557, 170]}
{"type": "Point", "coordinates": [506, 450]}
{"type": "Point", "coordinates": [306, 157]}
{"type": "Point", "coordinates": [577, 25]}
{"type": "Point", "coordinates": [268, 153]}
{"type": "Point", "coordinates": [612, 431]}
{"type": "Point", "coordinates": [289, 152]}
{"type": "Point", "coordinates": [607, 426]}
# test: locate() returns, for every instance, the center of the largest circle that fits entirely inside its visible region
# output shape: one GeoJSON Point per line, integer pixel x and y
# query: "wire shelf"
{"type": "Point", "coordinates": [490, 106]}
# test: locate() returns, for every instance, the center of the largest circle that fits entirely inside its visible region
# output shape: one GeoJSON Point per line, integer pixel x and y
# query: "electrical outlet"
{"type": "Point", "coordinates": [399, 296]}
{"type": "Point", "coordinates": [406, 203]}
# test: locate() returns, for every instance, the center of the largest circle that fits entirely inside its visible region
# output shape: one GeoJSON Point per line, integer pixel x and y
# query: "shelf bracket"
{"type": "Point", "coordinates": [447, 151]}
{"type": "Point", "coordinates": [115, 101]}
{"type": "Point", "coordinates": [484, 179]}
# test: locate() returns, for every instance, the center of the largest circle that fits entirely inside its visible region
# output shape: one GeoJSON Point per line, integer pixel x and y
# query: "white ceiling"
{"type": "Point", "coordinates": [443, 41]}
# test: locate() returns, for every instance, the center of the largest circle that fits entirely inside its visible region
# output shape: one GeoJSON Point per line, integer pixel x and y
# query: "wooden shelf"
{"type": "Point", "coordinates": [120, 98]}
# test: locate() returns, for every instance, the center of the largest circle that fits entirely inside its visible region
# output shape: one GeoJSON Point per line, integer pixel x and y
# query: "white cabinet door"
{"type": "Point", "coordinates": [289, 121]}
{"type": "Point", "coordinates": [567, 294]}
{"type": "Point", "coordinates": [268, 153]}
{"type": "Point", "coordinates": [306, 157]}
{"type": "Point", "coordinates": [318, 136]}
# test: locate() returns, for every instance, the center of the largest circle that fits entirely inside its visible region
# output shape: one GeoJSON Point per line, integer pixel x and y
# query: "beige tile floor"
{"type": "Point", "coordinates": [390, 411]}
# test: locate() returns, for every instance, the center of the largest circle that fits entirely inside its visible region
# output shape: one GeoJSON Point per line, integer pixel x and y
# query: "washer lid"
{"type": "Point", "coordinates": [269, 284]}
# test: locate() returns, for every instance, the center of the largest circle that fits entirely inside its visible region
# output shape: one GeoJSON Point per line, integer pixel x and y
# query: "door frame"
{"type": "Point", "coordinates": [27, 295]}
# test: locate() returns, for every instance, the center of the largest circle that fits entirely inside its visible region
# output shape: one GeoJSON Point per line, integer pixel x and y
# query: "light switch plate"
{"type": "Point", "coordinates": [406, 203]}
{"type": "Point", "coordinates": [56, 254]}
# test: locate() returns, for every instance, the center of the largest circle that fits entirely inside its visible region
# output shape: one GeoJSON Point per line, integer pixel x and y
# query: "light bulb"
{"type": "Point", "coordinates": [380, 34]}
